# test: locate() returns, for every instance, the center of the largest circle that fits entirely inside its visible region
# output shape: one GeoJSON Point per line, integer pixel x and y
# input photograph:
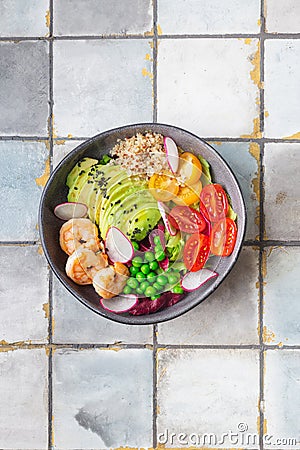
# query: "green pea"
{"type": "Point", "coordinates": [137, 261]}
{"type": "Point", "coordinates": [157, 240]}
{"type": "Point", "coordinates": [144, 285]}
{"type": "Point", "coordinates": [157, 286]}
{"type": "Point", "coordinates": [145, 269]}
{"type": "Point", "coordinates": [132, 283]}
{"type": "Point", "coordinates": [140, 277]}
{"type": "Point", "coordinates": [151, 276]}
{"type": "Point", "coordinates": [139, 291]}
{"type": "Point", "coordinates": [162, 280]}
{"type": "Point", "coordinates": [106, 159]}
{"type": "Point", "coordinates": [150, 291]}
{"type": "Point", "coordinates": [126, 290]}
{"type": "Point", "coordinates": [172, 279]}
{"type": "Point", "coordinates": [134, 270]}
{"type": "Point", "coordinates": [149, 256]}
{"type": "Point", "coordinates": [135, 245]}
{"type": "Point", "coordinates": [154, 297]}
{"type": "Point", "coordinates": [153, 264]}
{"type": "Point", "coordinates": [160, 256]}
{"type": "Point", "coordinates": [177, 290]}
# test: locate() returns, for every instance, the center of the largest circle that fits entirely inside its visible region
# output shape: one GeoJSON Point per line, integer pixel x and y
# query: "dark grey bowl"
{"type": "Point", "coordinates": [55, 192]}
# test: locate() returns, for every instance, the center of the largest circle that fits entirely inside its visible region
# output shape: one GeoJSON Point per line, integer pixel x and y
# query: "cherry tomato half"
{"type": "Point", "coordinates": [190, 168]}
{"type": "Point", "coordinates": [163, 187]}
{"type": "Point", "coordinates": [196, 252]}
{"type": "Point", "coordinates": [223, 237]}
{"type": "Point", "coordinates": [215, 201]}
{"type": "Point", "coordinates": [187, 195]}
{"type": "Point", "coordinates": [187, 219]}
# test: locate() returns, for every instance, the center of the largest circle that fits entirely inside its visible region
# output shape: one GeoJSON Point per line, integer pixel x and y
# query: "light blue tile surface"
{"type": "Point", "coordinates": [97, 17]}
{"type": "Point", "coordinates": [207, 16]}
{"type": "Point", "coordinates": [102, 398]}
{"type": "Point", "coordinates": [23, 18]}
{"type": "Point", "coordinates": [282, 398]}
{"type": "Point", "coordinates": [282, 306]}
{"type": "Point", "coordinates": [24, 402]}
{"type": "Point", "coordinates": [23, 91]}
{"type": "Point", "coordinates": [21, 164]}
{"type": "Point", "coordinates": [100, 85]}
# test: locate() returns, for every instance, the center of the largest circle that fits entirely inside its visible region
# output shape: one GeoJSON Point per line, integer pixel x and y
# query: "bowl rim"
{"type": "Point", "coordinates": [149, 318]}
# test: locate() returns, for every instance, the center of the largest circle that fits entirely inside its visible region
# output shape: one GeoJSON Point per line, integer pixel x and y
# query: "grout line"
{"type": "Point", "coordinates": [261, 228]}
{"type": "Point", "coordinates": [19, 243]}
{"type": "Point", "coordinates": [154, 398]}
{"type": "Point", "coordinates": [50, 385]}
{"type": "Point", "coordinates": [100, 37]}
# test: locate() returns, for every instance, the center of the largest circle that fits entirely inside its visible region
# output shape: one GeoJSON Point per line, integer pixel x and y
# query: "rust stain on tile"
{"type": "Point", "coordinates": [280, 344]}
{"type": "Point", "coordinates": [255, 72]}
{"type": "Point", "coordinates": [159, 30]}
{"type": "Point", "coordinates": [40, 250]}
{"type": "Point", "coordinates": [266, 113]}
{"type": "Point", "coordinates": [46, 309]}
{"type": "Point", "coordinates": [248, 41]}
{"type": "Point", "coordinates": [148, 57]}
{"type": "Point", "coordinates": [149, 33]}
{"type": "Point", "coordinates": [256, 133]}
{"type": "Point", "coordinates": [41, 181]}
{"type": "Point", "coordinates": [268, 335]}
{"type": "Point", "coordinates": [60, 142]}
{"type": "Point", "coordinates": [280, 198]}
{"type": "Point", "coordinates": [146, 73]}
{"type": "Point", "coordinates": [293, 136]}
{"type": "Point", "coordinates": [70, 135]}
{"type": "Point", "coordinates": [259, 22]}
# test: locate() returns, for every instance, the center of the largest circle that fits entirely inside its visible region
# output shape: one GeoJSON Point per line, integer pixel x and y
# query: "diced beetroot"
{"type": "Point", "coordinates": [164, 264]}
{"type": "Point", "coordinates": [148, 306]}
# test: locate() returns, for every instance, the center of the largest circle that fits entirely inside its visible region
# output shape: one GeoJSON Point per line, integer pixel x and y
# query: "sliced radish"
{"type": "Point", "coordinates": [193, 280]}
{"type": "Point", "coordinates": [172, 153]}
{"type": "Point", "coordinates": [70, 210]}
{"type": "Point", "coordinates": [164, 210]}
{"type": "Point", "coordinates": [118, 246]}
{"type": "Point", "coordinates": [161, 234]}
{"type": "Point", "coordinates": [119, 304]}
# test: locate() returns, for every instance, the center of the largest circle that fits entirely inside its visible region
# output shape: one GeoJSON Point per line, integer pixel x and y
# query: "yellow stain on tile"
{"type": "Point", "coordinates": [266, 113]}
{"type": "Point", "coordinates": [256, 133]}
{"type": "Point", "coordinates": [60, 142]}
{"type": "Point", "coordinates": [52, 432]}
{"type": "Point", "coordinates": [280, 344]}
{"type": "Point", "coordinates": [158, 410]}
{"type": "Point", "coordinates": [255, 61]}
{"type": "Point", "coordinates": [148, 57]}
{"type": "Point", "coordinates": [264, 265]}
{"type": "Point", "coordinates": [41, 181]}
{"type": "Point", "coordinates": [259, 22]}
{"type": "Point", "coordinates": [40, 250]}
{"type": "Point", "coordinates": [47, 17]}
{"type": "Point", "coordinates": [70, 135]}
{"type": "Point", "coordinates": [114, 349]}
{"type": "Point", "coordinates": [53, 323]}
{"type": "Point", "coordinates": [149, 33]}
{"type": "Point", "coordinates": [265, 427]}
{"type": "Point", "coordinates": [159, 30]}
{"type": "Point", "coordinates": [146, 73]}
{"type": "Point", "coordinates": [46, 309]}
{"type": "Point", "coordinates": [293, 136]}
{"type": "Point", "coordinates": [254, 150]}
{"type": "Point", "coordinates": [217, 143]}
{"type": "Point", "coordinates": [3, 342]}
{"type": "Point", "coordinates": [151, 44]}
{"type": "Point", "coordinates": [149, 346]}
{"type": "Point", "coordinates": [248, 41]}
{"type": "Point", "coordinates": [268, 335]}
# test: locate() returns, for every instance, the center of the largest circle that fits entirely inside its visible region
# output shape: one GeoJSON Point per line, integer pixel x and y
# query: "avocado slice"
{"type": "Point", "coordinates": [98, 188]}
{"type": "Point", "coordinates": [83, 164]}
{"type": "Point", "coordinates": [76, 187]}
{"type": "Point", "coordinates": [143, 222]}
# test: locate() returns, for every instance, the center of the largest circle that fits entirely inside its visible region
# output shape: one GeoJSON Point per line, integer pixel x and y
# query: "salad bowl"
{"type": "Point", "coordinates": [56, 191]}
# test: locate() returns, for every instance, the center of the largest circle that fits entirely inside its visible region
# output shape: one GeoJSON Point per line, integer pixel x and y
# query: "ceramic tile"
{"type": "Point", "coordinates": [282, 308]}
{"type": "Point", "coordinates": [206, 392]}
{"type": "Point", "coordinates": [234, 302]}
{"type": "Point", "coordinates": [282, 17]}
{"type": "Point", "coordinates": [207, 17]}
{"type": "Point", "coordinates": [74, 323]}
{"type": "Point", "coordinates": [97, 17]}
{"type": "Point", "coordinates": [243, 158]}
{"type": "Point", "coordinates": [282, 88]}
{"type": "Point", "coordinates": [102, 98]}
{"type": "Point", "coordinates": [23, 295]}
{"type": "Point", "coordinates": [23, 91]}
{"type": "Point", "coordinates": [282, 204]}
{"type": "Point", "coordinates": [282, 399]}
{"type": "Point", "coordinates": [61, 149]}
{"type": "Point", "coordinates": [23, 172]}
{"type": "Point", "coordinates": [23, 387]}
{"type": "Point", "coordinates": [102, 398]}
{"type": "Point", "coordinates": [209, 86]}
{"type": "Point", "coordinates": [19, 18]}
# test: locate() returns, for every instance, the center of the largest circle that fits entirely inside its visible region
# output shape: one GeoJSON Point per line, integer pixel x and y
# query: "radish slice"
{"type": "Point", "coordinates": [164, 210]}
{"type": "Point", "coordinates": [119, 304]}
{"type": "Point", "coordinates": [70, 210]}
{"type": "Point", "coordinates": [172, 154]}
{"type": "Point", "coordinates": [161, 234]}
{"type": "Point", "coordinates": [193, 280]}
{"type": "Point", "coordinates": [118, 246]}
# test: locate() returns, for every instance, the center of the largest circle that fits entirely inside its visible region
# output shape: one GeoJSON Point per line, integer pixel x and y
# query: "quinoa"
{"type": "Point", "coordinates": [142, 154]}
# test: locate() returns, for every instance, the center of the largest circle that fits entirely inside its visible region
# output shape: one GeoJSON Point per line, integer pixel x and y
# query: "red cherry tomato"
{"type": "Point", "coordinates": [215, 201]}
{"type": "Point", "coordinates": [187, 219]}
{"type": "Point", "coordinates": [223, 237]}
{"type": "Point", "coordinates": [196, 252]}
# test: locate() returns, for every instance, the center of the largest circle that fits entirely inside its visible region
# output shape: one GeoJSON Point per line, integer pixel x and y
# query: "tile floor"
{"type": "Point", "coordinates": [227, 374]}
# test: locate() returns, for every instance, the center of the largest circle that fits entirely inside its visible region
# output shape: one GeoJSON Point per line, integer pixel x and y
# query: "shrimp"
{"type": "Point", "coordinates": [83, 264]}
{"type": "Point", "coordinates": [110, 281]}
{"type": "Point", "coordinates": [79, 232]}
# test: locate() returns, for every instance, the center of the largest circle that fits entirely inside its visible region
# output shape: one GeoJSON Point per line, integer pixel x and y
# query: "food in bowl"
{"type": "Point", "coordinates": [146, 224]}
